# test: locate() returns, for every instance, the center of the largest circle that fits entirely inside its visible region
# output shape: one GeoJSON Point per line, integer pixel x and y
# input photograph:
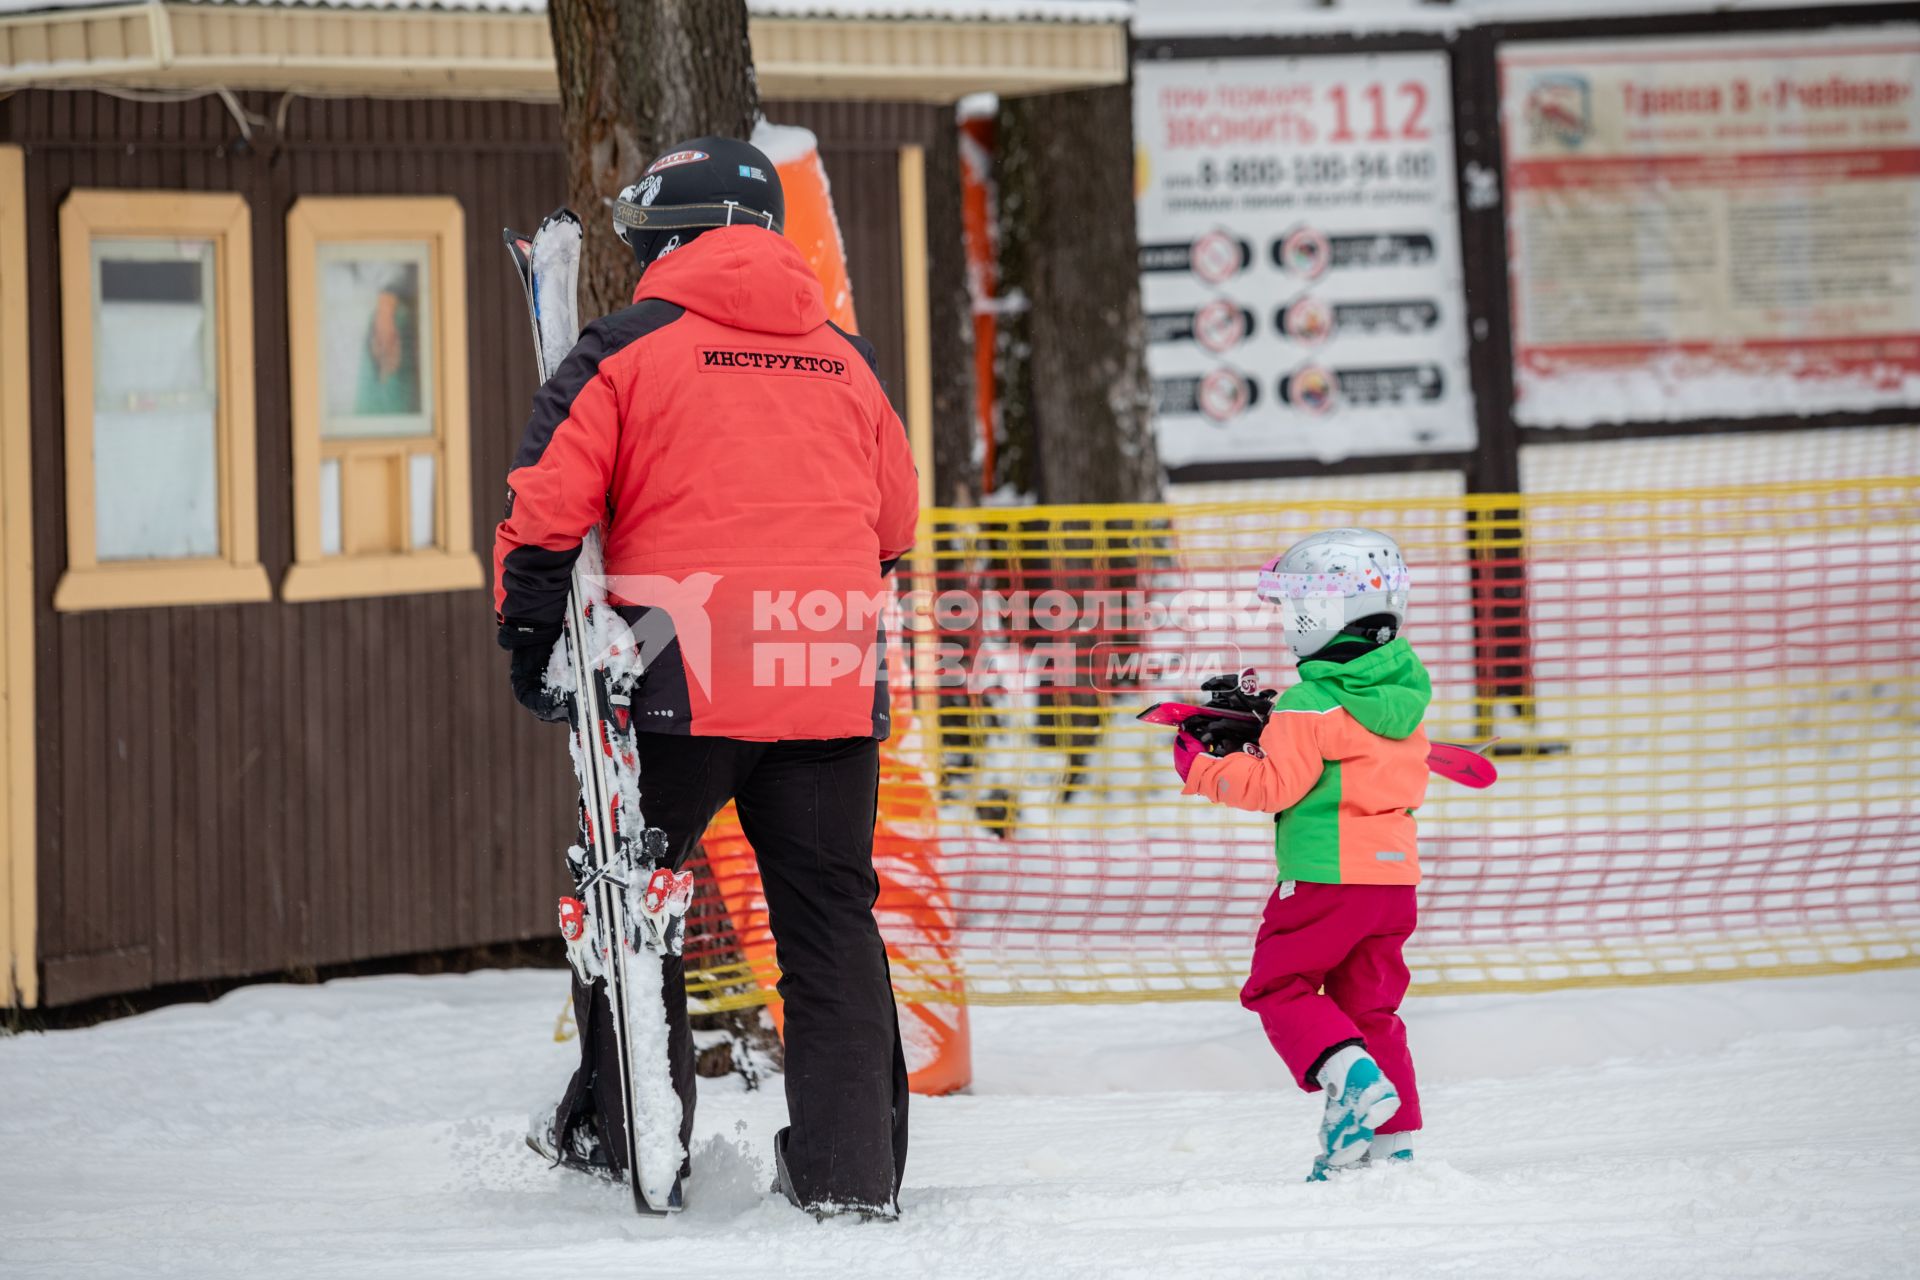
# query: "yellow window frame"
{"type": "Point", "coordinates": [19, 915]}
{"type": "Point", "coordinates": [450, 563]}
{"type": "Point", "coordinates": [235, 574]}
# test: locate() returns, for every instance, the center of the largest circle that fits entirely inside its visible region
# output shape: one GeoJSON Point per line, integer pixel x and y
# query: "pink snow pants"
{"type": "Point", "coordinates": [1327, 969]}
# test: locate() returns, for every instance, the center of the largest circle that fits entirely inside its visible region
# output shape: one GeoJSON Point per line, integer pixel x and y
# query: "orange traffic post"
{"type": "Point", "coordinates": [914, 910]}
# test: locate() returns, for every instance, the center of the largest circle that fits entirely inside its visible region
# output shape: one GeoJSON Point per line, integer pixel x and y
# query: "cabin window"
{"type": "Point", "coordinates": [376, 297]}
{"type": "Point", "coordinates": [156, 299]}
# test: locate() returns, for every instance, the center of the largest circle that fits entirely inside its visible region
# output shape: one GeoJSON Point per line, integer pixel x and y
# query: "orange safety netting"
{"type": "Point", "coordinates": [1712, 698]}
{"type": "Point", "coordinates": [729, 946]}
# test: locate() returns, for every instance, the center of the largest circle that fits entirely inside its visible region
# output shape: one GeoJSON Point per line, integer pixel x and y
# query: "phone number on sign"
{"type": "Point", "coordinates": [1327, 169]}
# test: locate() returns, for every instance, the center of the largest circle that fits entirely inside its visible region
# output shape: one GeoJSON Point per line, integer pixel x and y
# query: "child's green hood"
{"type": "Point", "coordinates": [1387, 690]}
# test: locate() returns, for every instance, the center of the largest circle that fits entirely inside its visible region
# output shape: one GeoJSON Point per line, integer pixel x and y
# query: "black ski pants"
{"type": "Point", "coordinates": [808, 808]}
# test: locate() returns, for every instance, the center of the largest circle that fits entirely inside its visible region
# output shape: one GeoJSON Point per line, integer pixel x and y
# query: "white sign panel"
{"type": "Point", "coordinates": [1720, 226]}
{"type": "Point", "coordinates": [1300, 257]}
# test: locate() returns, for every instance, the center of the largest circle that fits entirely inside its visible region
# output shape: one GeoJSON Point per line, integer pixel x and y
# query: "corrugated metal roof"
{"type": "Point", "coordinates": [906, 50]}
{"type": "Point", "coordinates": [950, 10]}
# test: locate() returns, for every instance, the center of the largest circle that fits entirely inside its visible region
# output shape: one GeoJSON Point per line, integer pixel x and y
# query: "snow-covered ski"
{"type": "Point", "coordinates": [632, 906]}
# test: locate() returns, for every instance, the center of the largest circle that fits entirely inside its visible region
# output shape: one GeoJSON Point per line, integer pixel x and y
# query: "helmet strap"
{"type": "Point", "coordinates": [629, 216]}
{"type": "Point", "coordinates": [1377, 630]}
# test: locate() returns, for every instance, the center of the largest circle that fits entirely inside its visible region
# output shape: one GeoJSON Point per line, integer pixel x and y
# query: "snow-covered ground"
{"type": "Point", "coordinates": [373, 1128]}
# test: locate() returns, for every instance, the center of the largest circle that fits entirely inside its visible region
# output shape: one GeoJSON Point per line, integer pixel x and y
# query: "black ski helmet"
{"type": "Point", "coordinates": [696, 186]}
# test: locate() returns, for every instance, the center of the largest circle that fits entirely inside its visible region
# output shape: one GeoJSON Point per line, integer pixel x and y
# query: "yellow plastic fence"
{"type": "Point", "coordinates": [1709, 702]}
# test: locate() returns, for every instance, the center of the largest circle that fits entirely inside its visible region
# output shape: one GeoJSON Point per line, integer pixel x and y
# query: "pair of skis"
{"type": "Point", "coordinates": [1239, 701]}
{"type": "Point", "coordinates": [631, 906]}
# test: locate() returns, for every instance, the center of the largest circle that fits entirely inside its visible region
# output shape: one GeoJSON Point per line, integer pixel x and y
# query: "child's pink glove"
{"type": "Point", "coordinates": [1185, 748]}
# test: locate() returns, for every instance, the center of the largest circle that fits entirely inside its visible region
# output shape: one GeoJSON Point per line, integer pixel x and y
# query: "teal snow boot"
{"type": "Point", "coordinates": [1390, 1148]}
{"type": "Point", "coordinates": [1359, 1100]}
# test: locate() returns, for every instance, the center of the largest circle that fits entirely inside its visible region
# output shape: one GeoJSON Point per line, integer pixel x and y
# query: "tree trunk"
{"type": "Point", "coordinates": [1073, 363]}
{"type": "Point", "coordinates": [1074, 396]}
{"type": "Point", "coordinates": [635, 77]}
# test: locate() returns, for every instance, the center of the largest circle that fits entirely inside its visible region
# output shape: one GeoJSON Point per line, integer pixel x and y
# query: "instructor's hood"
{"type": "Point", "coordinates": [1387, 690]}
{"type": "Point", "coordinates": [743, 277]}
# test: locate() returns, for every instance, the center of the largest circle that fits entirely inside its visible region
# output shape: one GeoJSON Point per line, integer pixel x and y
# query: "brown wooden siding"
{"type": "Point", "coordinates": [248, 789]}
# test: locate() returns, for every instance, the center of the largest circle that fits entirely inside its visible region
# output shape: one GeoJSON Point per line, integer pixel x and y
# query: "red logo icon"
{"type": "Point", "coordinates": [676, 159]}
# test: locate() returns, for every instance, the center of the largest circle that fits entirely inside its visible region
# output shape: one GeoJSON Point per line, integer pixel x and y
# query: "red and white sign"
{"type": "Point", "coordinates": [1718, 227]}
{"type": "Point", "coordinates": [1301, 185]}
{"type": "Point", "coordinates": [1308, 322]}
{"type": "Point", "coordinates": [1311, 388]}
{"type": "Point", "coordinates": [1223, 395]}
{"type": "Point", "coordinates": [1304, 252]}
{"type": "Point", "coordinates": [1216, 256]}
{"type": "Point", "coordinates": [1220, 325]}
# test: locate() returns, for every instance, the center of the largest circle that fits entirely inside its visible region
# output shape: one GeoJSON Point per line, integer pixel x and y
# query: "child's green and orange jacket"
{"type": "Point", "coordinates": [1343, 763]}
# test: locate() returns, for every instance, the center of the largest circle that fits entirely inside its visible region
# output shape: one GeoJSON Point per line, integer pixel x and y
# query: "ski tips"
{"type": "Point", "coordinates": [521, 244]}
{"type": "Point", "coordinates": [1462, 764]}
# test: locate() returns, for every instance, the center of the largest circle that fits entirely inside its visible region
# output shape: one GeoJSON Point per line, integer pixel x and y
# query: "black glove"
{"type": "Point", "coordinates": [1221, 735]}
{"type": "Point", "coordinates": [1238, 693]}
{"type": "Point", "coordinates": [532, 649]}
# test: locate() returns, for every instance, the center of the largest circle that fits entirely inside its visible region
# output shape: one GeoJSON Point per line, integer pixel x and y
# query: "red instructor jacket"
{"type": "Point", "coordinates": [752, 479]}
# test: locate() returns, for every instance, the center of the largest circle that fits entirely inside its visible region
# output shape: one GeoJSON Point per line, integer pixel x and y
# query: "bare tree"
{"type": "Point", "coordinates": [1074, 396]}
{"type": "Point", "coordinates": [1073, 360]}
{"type": "Point", "coordinates": [636, 76]}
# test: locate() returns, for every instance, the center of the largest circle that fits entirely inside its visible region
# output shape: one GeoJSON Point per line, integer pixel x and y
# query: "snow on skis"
{"type": "Point", "coordinates": [631, 905]}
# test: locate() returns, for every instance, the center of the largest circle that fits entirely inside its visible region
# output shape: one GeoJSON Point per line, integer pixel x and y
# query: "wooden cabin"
{"type": "Point", "coordinates": [255, 722]}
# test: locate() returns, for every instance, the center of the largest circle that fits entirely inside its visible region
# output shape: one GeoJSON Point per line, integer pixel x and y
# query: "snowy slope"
{"type": "Point", "coordinates": [373, 1127]}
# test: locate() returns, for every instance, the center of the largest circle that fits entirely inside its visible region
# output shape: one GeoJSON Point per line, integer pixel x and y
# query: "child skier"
{"type": "Point", "coordinates": [1341, 764]}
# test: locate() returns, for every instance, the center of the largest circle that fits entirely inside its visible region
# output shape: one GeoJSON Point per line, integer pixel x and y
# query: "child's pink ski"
{"type": "Point", "coordinates": [1451, 760]}
{"type": "Point", "coordinates": [1176, 713]}
{"type": "Point", "coordinates": [1465, 765]}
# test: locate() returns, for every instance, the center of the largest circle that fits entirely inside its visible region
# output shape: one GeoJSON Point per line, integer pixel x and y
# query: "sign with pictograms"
{"type": "Point", "coordinates": [1300, 257]}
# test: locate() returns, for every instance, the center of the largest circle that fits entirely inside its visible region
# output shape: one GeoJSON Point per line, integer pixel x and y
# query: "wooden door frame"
{"type": "Point", "coordinates": [19, 913]}
{"type": "Point", "coordinates": [916, 320]}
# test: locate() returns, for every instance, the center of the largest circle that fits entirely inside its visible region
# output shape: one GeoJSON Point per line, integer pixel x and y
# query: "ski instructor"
{"type": "Point", "coordinates": [755, 488]}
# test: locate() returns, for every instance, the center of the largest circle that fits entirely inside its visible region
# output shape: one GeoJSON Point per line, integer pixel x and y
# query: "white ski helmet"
{"type": "Point", "coordinates": [1326, 583]}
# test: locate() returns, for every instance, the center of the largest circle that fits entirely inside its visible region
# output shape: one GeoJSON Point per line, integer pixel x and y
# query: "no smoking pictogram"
{"type": "Point", "coordinates": [1216, 256]}
{"type": "Point", "coordinates": [1223, 395]}
{"type": "Point", "coordinates": [1219, 325]}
